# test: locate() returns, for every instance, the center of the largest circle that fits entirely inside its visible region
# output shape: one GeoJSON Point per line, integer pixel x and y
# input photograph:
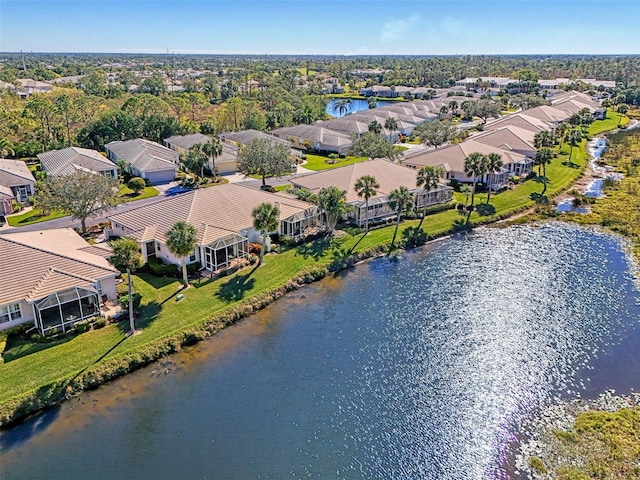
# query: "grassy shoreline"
{"type": "Point", "coordinates": [38, 380]}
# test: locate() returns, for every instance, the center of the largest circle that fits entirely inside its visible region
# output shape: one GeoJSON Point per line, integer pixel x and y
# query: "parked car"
{"type": "Point", "coordinates": [3, 220]}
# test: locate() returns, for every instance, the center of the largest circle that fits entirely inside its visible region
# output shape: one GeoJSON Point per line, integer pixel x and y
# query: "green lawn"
{"type": "Point", "coordinates": [282, 188]}
{"type": "Point", "coordinates": [129, 195]}
{"type": "Point", "coordinates": [319, 162]}
{"type": "Point", "coordinates": [32, 216]}
{"type": "Point", "coordinates": [161, 317]}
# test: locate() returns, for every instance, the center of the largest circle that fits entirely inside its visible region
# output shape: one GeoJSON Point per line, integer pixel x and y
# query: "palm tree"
{"type": "Point", "coordinates": [543, 138]}
{"type": "Point", "coordinates": [366, 188]}
{"type": "Point", "coordinates": [372, 102]}
{"type": "Point", "coordinates": [475, 165]}
{"type": "Point", "coordinates": [196, 159]}
{"type": "Point", "coordinates": [342, 106]}
{"type": "Point", "coordinates": [573, 138]}
{"type": "Point", "coordinates": [181, 240]}
{"type": "Point", "coordinates": [266, 218]}
{"type": "Point", "coordinates": [428, 178]}
{"type": "Point", "coordinates": [622, 109]}
{"type": "Point", "coordinates": [466, 191]}
{"type": "Point", "coordinates": [561, 130]}
{"type": "Point", "coordinates": [375, 127]}
{"type": "Point", "coordinates": [126, 255]}
{"type": "Point", "coordinates": [391, 124]}
{"type": "Point", "coordinates": [494, 165]}
{"type": "Point", "coordinates": [542, 157]}
{"type": "Point", "coordinates": [443, 111]}
{"type": "Point", "coordinates": [453, 106]}
{"type": "Point", "coordinates": [401, 201]}
{"type": "Point", "coordinates": [333, 203]}
{"type": "Point", "coordinates": [6, 148]}
{"type": "Point", "coordinates": [212, 149]}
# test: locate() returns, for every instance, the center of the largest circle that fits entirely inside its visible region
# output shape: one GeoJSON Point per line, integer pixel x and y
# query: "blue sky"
{"type": "Point", "coordinates": [322, 26]}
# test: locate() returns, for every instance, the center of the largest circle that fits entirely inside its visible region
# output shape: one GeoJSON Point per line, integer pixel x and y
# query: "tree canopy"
{"type": "Point", "coordinates": [265, 158]}
{"type": "Point", "coordinates": [81, 195]}
{"type": "Point", "coordinates": [372, 145]}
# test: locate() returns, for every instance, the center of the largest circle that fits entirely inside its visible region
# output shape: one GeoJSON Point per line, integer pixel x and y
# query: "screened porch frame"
{"type": "Point", "coordinates": [221, 252]}
{"type": "Point", "coordinates": [68, 310]}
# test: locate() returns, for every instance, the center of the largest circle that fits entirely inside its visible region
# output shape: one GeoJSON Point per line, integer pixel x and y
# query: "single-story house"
{"type": "Point", "coordinates": [551, 115]}
{"type": "Point", "coordinates": [68, 160]}
{"type": "Point", "coordinates": [53, 279]}
{"type": "Point", "coordinates": [315, 137]}
{"type": "Point", "coordinates": [182, 143]}
{"type": "Point", "coordinates": [16, 182]}
{"type": "Point", "coordinates": [451, 158]}
{"type": "Point", "coordinates": [520, 120]}
{"type": "Point", "coordinates": [379, 91]}
{"type": "Point", "coordinates": [226, 162]}
{"type": "Point", "coordinates": [29, 86]}
{"type": "Point", "coordinates": [222, 218]}
{"type": "Point", "coordinates": [509, 138]}
{"type": "Point", "coordinates": [146, 159]}
{"type": "Point", "coordinates": [245, 137]}
{"type": "Point", "coordinates": [388, 175]}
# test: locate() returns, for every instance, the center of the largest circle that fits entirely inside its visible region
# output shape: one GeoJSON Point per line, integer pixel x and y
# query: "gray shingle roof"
{"type": "Point", "coordinates": [144, 155]}
{"type": "Point", "coordinates": [246, 136]}
{"type": "Point", "coordinates": [67, 160]}
{"type": "Point", "coordinates": [187, 141]}
{"type": "Point", "coordinates": [14, 173]}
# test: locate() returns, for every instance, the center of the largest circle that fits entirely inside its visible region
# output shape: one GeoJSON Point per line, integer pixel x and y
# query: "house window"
{"type": "Point", "coordinates": [192, 257]}
{"type": "Point", "coordinates": [10, 312]}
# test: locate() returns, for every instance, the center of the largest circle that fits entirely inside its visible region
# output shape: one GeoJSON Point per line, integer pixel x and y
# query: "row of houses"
{"type": "Point", "coordinates": [511, 137]}
{"type": "Point", "coordinates": [503, 82]}
{"type": "Point", "coordinates": [67, 280]}
{"type": "Point", "coordinates": [337, 135]}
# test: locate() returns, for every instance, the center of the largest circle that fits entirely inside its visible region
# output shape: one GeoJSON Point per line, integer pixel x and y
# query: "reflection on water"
{"type": "Point", "coordinates": [417, 369]}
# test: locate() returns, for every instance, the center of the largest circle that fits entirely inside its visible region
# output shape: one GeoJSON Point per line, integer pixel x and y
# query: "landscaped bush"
{"type": "Point", "coordinates": [254, 248]}
{"type": "Point", "coordinates": [160, 269]}
{"type": "Point", "coordinates": [124, 301]}
{"type": "Point", "coordinates": [136, 184]}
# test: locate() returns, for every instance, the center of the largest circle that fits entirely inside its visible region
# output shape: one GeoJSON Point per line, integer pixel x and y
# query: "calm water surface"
{"type": "Point", "coordinates": [356, 106]}
{"type": "Point", "coordinates": [419, 369]}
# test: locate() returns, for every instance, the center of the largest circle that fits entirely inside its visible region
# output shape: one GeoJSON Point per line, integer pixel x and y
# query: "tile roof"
{"type": "Point", "coordinates": [187, 141]}
{"type": "Point", "coordinates": [451, 157]}
{"type": "Point", "coordinates": [32, 263]}
{"type": "Point", "coordinates": [317, 134]}
{"type": "Point", "coordinates": [509, 138]}
{"type": "Point", "coordinates": [144, 155]}
{"type": "Point", "coordinates": [67, 160]}
{"type": "Point", "coordinates": [389, 176]}
{"type": "Point", "coordinates": [218, 210]}
{"type": "Point", "coordinates": [520, 120]}
{"type": "Point", "coordinates": [14, 173]}
{"type": "Point", "coordinates": [247, 136]}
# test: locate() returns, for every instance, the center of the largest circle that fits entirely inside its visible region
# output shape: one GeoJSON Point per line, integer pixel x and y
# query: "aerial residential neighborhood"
{"type": "Point", "coordinates": [402, 244]}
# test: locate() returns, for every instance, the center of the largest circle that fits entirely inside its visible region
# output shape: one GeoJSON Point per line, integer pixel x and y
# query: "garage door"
{"type": "Point", "coordinates": [161, 176]}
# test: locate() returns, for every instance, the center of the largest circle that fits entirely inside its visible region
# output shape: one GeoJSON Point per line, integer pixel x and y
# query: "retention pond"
{"type": "Point", "coordinates": [420, 368]}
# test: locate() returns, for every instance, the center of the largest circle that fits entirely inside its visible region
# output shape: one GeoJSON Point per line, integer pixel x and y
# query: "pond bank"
{"type": "Point", "coordinates": [286, 273]}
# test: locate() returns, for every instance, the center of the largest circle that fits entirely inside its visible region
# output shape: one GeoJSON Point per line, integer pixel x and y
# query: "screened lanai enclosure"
{"type": "Point", "coordinates": [222, 252]}
{"type": "Point", "coordinates": [61, 310]}
{"type": "Point", "coordinates": [300, 224]}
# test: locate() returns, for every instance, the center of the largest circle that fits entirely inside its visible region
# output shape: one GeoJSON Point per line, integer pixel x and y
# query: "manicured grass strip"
{"type": "Point", "coordinates": [32, 216]}
{"type": "Point", "coordinates": [164, 320]}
